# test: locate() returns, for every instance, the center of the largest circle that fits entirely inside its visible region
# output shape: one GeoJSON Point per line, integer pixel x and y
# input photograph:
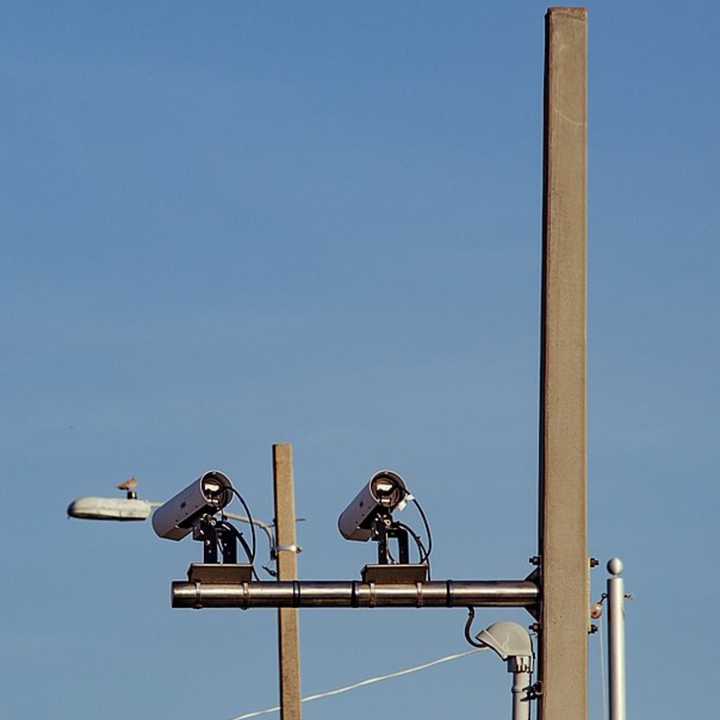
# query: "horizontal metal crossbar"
{"type": "Point", "coordinates": [338, 594]}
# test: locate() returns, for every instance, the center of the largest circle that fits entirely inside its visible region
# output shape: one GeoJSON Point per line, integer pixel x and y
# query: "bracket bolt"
{"type": "Point", "coordinates": [593, 629]}
{"type": "Point", "coordinates": [535, 627]}
{"type": "Point", "coordinates": [534, 560]}
{"type": "Point", "coordinates": [594, 562]}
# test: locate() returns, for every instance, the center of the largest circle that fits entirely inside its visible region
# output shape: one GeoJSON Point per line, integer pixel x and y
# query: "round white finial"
{"type": "Point", "coordinates": [615, 566]}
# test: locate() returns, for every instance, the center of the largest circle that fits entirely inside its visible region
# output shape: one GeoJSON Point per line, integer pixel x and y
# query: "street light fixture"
{"type": "Point", "coordinates": [118, 509]}
{"type": "Point", "coordinates": [512, 643]}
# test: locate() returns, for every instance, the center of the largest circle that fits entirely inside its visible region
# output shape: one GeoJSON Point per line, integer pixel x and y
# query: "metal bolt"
{"type": "Point", "coordinates": [535, 627]}
{"type": "Point", "coordinates": [534, 560]}
{"type": "Point", "coordinates": [593, 629]}
{"type": "Point", "coordinates": [594, 562]}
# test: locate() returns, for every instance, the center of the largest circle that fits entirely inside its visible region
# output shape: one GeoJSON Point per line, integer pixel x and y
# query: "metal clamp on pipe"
{"type": "Point", "coordinates": [288, 548]}
{"type": "Point", "coordinates": [304, 593]}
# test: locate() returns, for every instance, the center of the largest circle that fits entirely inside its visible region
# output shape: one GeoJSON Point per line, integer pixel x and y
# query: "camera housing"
{"type": "Point", "coordinates": [385, 492]}
{"type": "Point", "coordinates": [209, 494]}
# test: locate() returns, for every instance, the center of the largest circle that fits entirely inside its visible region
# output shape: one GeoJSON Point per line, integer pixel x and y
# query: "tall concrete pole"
{"type": "Point", "coordinates": [288, 618]}
{"type": "Point", "coordinates": [564, 616]}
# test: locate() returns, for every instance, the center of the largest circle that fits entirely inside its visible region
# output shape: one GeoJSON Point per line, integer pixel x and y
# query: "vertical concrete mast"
{"type": "Point", "coordinates": [563, 656]}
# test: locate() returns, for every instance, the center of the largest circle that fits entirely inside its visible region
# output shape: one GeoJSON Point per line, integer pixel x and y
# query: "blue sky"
{"type": "Point", "coordinates": [232, 224]}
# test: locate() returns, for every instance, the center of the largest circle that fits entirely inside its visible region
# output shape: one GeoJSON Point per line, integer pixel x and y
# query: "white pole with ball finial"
{"type": "Point", "coordinates": [616, 634]}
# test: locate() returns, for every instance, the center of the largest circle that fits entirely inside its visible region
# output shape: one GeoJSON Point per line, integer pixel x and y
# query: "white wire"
{"type": "Point", "coordinates": [362, 683]}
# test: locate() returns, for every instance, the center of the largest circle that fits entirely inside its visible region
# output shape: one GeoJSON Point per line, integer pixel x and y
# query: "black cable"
{"type": "Point", "coordinates": [251, 523]}
{"type": "Point", "coordinates": [243, 542]}
{"type": "Point", "coordinates": [241, 539]}
{"type": "Point", "coordinates": [427, 527]}
{"type": "Point", "coordinates": [418, 541]}
{"type": "Point", "coordinates": [468, 626]}
{"type": "Point", "coordinates": [424, 558]}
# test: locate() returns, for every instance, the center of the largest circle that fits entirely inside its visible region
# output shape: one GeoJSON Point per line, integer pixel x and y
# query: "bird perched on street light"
{"type": "Point", "coordinates": [130, 486]}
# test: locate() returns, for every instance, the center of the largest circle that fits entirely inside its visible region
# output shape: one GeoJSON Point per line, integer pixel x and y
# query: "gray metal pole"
{"type": "Point", "coordinates": [616, 634]}
{"type": "Point", "coordinates": [521, 702]}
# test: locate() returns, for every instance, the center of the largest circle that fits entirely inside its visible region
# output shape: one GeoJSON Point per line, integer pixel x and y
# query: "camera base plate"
{"type": "Point", "coordinates": [395, 574]}
{"type": "Point", "coordinates": [220, 573]}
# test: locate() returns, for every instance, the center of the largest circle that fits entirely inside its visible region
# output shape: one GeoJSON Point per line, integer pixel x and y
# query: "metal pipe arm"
{"type": "Point", "coordinates": [337, 594]}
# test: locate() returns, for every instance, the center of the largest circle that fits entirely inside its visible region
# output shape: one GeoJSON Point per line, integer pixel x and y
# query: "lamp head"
{"type": "Point", "coordinates": [509, 640]}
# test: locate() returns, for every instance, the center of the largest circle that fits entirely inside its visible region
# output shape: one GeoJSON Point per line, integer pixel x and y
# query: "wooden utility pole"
{"type": "Point", "coordinates": [563, 657]}
{"type": "Point", "coordinates": [288, 618]}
